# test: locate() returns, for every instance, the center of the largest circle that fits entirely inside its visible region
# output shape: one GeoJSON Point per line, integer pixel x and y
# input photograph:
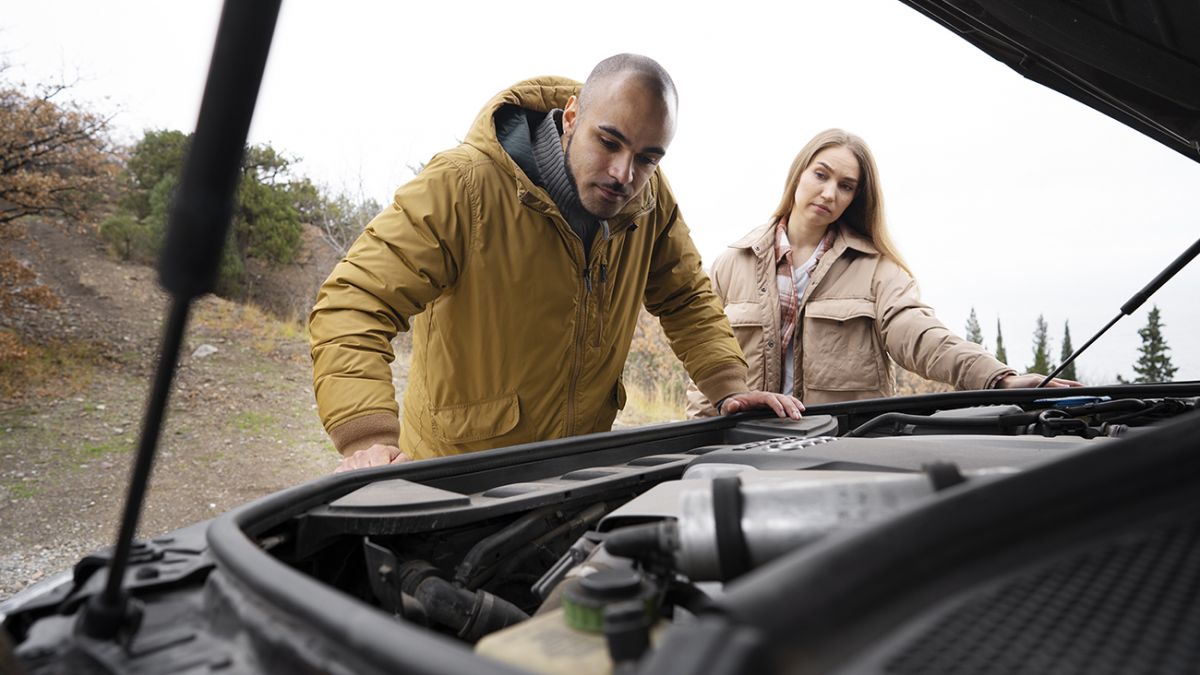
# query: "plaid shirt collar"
{"type": "Point", "coordinates": [783, 247]}
{"type": "Point", "coordinates": [785, 276]}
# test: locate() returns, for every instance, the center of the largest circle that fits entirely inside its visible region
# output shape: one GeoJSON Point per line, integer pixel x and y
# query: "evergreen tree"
{"type": "Point", "coordinates": [266, 216]}
{"type": "Point", "coordinates": [1154, 364]}
{"type": "Point", "coordinates": [1041, 348]}
{"type": "Point", "coordinates": [1001, 355]}
{"type": "Point", "coordinates": [974, 333]}
{"type": "Point", "coordinates": [1069, 371]}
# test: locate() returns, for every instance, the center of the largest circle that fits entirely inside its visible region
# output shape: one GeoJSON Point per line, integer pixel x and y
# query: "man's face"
{"type": "Point", "coordinates": [614, 145]}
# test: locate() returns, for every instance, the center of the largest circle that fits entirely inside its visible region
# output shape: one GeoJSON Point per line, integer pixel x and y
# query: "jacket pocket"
{"type": "Point", "coordinates": [748, 323]}
{"type": "Point", "coordinates": [477, 420]}
{"type": "Point", "coordinates": [612, 404]}
{"type": "Point", "coordinates": [842, 351]}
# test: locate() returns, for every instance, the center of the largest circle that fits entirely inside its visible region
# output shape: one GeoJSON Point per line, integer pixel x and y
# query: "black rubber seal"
{"type": "Point", "coordinates": [732, 554]}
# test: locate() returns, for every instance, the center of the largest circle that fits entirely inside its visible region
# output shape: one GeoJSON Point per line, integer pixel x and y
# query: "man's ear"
{"type": "Point", "coordinates": [570, 113]}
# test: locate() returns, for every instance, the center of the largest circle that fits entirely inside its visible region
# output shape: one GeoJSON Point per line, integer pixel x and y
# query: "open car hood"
{"type": "Point", "coordinates": [1135, 61]}
{"type": "Point", "coordinates": [988, 531]}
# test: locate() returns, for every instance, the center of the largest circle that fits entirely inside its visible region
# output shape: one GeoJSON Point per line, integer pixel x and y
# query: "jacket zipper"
{"type": "Point", "coordinates": [600, 304]}
{"type": "Point", "coordinates": [600, 297]}
{"type": "Point", "coordinates": [577, 356]}
{"type": "Point", "coordinates": [581, 331]}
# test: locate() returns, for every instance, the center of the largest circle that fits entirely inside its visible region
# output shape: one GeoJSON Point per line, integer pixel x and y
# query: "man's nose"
{"type": "Point", "coordinates": [620, 169]}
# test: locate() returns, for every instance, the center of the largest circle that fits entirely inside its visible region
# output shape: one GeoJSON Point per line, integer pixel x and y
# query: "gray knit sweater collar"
{"type": "Point", "coordinates": [552, 165]}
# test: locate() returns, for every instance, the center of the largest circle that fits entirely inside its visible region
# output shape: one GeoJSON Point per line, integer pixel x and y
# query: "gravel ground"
{"type": "Point", "coordinates": [242, 421]}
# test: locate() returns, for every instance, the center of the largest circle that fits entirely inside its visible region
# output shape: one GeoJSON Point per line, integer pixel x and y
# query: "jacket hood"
{"type": "Point", "coordinates": [539, 94]}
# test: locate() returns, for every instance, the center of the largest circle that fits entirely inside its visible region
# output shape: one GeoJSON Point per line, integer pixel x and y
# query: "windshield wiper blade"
{"type": "Point", "coordinates": [1133, 303]}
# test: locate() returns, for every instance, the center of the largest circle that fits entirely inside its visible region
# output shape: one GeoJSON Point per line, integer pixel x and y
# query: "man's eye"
{"type": "Point", "coordinates": [647, 160]}
{"type": "Point", "coordinates": [611, 145]}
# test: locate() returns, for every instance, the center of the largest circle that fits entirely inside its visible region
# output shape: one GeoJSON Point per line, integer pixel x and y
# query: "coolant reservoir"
{"type": "Point", "coordinates": [571, 640]}
{"type": "Point", "coordinates": [546, 644]}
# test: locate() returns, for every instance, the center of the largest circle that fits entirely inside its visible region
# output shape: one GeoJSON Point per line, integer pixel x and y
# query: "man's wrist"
{"type": "Point", "coordinates": [726, 398]}
{"type": "Point", "coordinates": [363, 432]}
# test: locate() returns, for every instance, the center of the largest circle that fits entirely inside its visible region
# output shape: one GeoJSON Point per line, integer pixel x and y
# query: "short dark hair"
{"type": "Point", "coordinates": [648, 71]}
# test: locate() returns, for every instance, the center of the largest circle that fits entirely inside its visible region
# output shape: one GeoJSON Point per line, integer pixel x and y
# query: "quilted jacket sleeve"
{"type": "Point", "coordinates": [680, 294]}
{"type": "Point", "coordinates": [406, 257]}
{"type": "Point", "coordinates": [918, 341]}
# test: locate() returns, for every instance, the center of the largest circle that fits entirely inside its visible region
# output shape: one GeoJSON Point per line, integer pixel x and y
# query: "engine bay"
{"type": "Point", "coordinates": [503, 561]}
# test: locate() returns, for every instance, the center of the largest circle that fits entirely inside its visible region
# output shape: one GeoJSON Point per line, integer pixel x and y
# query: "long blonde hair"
{"type": "Point", "coordinates": [865, 213]}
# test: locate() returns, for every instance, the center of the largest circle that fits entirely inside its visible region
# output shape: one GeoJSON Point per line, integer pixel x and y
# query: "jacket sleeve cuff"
{"type": "Point", "coordinates": [361, 433]}
{"type": "Point", "coordinates": [724, 381]}
{"type": "Point", "coordinates": [994, 380]}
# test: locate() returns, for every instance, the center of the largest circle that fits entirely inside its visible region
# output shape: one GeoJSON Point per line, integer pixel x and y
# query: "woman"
{"type": "Point", "coordinates": [821, 301]}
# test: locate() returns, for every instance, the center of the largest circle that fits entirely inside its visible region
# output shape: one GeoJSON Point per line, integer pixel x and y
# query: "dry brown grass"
{"type": "Point", "coordinates": [655, 381]}
{"type": "Point", "coordinates": [264, 332]}
{"type": "Point", "coordinates": [650, 406]}
{"type": "Point", "coordinates": [909, 383]}
{"type": "Point", "coordinates": [58, 368]}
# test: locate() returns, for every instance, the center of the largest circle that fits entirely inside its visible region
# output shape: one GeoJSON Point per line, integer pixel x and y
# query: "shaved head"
{"type": "Point", "coordinates": [616, 131]}
{"type": "Point", "coordinates": [644, 70]}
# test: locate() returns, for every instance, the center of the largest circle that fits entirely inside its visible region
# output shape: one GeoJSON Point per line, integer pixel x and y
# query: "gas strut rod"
{"type": "Point", "coordinates": [199, 220]}
{"type": "Point", "coordinates": [1133, 303]}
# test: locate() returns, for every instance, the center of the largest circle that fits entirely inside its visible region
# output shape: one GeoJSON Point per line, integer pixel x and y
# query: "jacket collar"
{"type": "Point", "coordinates": [848, 237]}
{"type": "Point", "coordinates": [541, 94]}
{"type": "Point", "coordinates": [761, 240]}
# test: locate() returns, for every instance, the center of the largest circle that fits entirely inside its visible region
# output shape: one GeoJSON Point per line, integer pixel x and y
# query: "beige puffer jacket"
{"type": "Point", "coordinates": [859, 312]}
{"type": "Point", "coordinates": [516, 337]}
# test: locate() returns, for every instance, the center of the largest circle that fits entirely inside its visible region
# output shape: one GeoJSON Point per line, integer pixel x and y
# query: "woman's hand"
{"type": "Point", "coordinates": [1030, 380]}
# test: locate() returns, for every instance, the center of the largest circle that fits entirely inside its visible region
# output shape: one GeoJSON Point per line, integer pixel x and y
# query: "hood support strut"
{"type": "Point", "coordinates": [199, 221]}
{"type": "Point", "coordinates": [1133, 303]}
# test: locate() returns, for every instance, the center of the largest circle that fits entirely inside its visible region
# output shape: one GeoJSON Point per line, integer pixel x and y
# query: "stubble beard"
{"type": "Point", "coordinates": [575, 184]}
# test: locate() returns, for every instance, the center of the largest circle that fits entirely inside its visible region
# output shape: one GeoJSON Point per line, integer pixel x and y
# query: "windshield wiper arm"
{"type": "Point", "coordinates": [1133, 303]}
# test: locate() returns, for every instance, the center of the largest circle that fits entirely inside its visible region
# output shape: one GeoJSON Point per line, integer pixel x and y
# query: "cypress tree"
{"type": "Point", "coordinates": [974, 333]}
{"type": "Point", "coordinates": [1001, 355]}
{"type": "Point", "coordinates": [1041, 348]}
{"type": "Point", "coordinates": [1069, 371]}
{"type": "Point", "coordinates": [1154, 364]}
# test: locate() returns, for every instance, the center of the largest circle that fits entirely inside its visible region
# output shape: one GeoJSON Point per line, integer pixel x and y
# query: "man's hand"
{"type": "Point", "coordinates": [376, 455]}
{"type": "Point", "coordinates": [782, 404]}
{"type": "Point", "coordinates": [1030, 380]}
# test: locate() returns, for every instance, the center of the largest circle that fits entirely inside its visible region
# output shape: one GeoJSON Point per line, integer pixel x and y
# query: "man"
{"type": "Point", "coordinates": [521, 258]}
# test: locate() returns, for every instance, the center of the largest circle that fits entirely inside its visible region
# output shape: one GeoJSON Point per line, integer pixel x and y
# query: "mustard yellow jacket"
{"type": "Point", "coordinates": [859, 312]}
{"type": "Point", "coordinates": [516, 337]}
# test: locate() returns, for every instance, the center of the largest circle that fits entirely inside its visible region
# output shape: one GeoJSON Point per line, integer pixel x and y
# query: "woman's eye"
{"type": "Point", "coordinates": [846, 188]}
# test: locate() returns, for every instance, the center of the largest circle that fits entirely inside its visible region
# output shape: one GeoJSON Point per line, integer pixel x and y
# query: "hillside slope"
{"type": "Point", "coordinates": [242, 422]}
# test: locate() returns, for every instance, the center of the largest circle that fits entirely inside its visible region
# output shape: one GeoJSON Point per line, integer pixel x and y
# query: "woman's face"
{"type": "Point", "coordinates": [826, 187]}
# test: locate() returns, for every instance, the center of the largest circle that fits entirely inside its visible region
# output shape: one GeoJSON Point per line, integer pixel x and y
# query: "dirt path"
{"type": "Point", "coordinates": [242, 422]}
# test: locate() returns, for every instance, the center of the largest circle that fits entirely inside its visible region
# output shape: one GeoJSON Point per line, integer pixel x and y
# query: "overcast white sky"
{"type": "Point", "coordinates": [1002, 195]}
